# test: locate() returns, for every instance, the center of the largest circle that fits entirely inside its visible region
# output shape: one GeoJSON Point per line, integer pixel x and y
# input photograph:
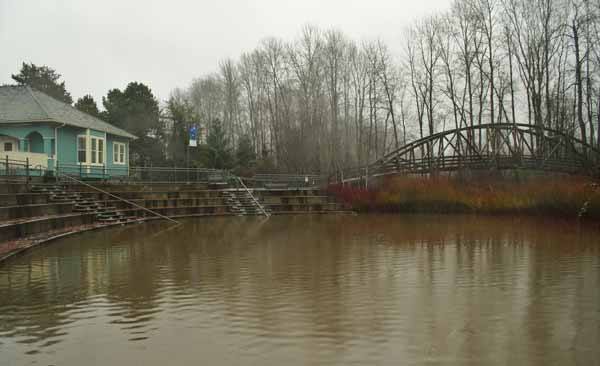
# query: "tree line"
{"type": "Point", "coordinates": [134, 109]}
{"type": "Point", "coordinates": [160, 142]}
{"type": "Point", "coordinates": [323, 102]}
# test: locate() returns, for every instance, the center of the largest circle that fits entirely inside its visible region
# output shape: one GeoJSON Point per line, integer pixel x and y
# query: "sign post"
{"type": "Point", "coordinates": [193, 136]}
{"type": "Point", "coordinates": [192, 142]}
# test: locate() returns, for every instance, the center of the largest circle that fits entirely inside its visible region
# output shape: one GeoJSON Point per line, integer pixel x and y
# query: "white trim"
{"type": "Point", "coordinates": [116, 156]}
{"type": "Point", "coordinates": [126, 154]}
{"type": "Point", "coordinates": [55, 152]}
{"type": "Point", "coordinates": [88, 149]}
{"type": "Point", "coordinates": [97, 155]}
{"type": "Point", "coordinates": [105, 151]}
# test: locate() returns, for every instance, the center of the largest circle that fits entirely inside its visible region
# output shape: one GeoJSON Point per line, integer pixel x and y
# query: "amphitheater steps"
{"type": "Point", "coordinates": [241, 203]}
{"type": "Point", "coordinates": [44, 211]}
{"type": "Point", "coordinates": [82, 204]}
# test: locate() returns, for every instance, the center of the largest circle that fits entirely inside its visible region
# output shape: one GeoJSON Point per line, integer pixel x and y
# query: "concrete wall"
{"type": "Point", "coordinates": [20, 230]}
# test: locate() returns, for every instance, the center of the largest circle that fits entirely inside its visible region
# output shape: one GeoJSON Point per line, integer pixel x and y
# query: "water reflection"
{"type": "Point", "coordinates": [309, 290]}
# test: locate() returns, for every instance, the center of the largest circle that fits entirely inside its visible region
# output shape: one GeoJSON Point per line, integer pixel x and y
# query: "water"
{"type": "Point", "coordinates": [308, 290]}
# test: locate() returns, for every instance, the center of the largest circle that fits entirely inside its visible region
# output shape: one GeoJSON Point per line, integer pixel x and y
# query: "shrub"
{"type": "Point", "coordinates": [562, 196]}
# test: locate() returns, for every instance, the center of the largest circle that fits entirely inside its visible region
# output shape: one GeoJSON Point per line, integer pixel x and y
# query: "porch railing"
{"type": "Point", "coordinates": [14, 168]}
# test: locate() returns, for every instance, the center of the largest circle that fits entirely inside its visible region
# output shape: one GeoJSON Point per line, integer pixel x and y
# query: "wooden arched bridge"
{"type": "Point", "coordinates": [486, 147]}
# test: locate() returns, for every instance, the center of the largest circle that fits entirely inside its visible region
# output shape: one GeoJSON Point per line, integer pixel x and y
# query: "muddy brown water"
{"type": "Point", "coordinates": [309, 290]}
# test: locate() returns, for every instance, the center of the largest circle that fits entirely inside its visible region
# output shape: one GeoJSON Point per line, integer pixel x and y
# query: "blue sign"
{"type": "Point", "coordinates": [193, 136]}
{"type": "Point", "coordinates": [193, 133]}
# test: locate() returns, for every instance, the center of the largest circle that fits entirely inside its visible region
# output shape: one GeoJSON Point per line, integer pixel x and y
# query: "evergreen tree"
{"type": "Point", "coordinates": [88, 105]}
{"type": "Point", "coordinates": [44, 79]}
{"type": "Point", "coordinates": [245, 155]}
{"type": "Point", "coordinates": [182, 116]}
{"type": "Point", "coordinates": [136, 110]}
{"type": "Point", "coordinates": [219, 153]}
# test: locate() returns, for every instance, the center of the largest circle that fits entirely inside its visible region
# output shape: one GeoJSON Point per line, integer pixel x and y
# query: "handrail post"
{"type": "Point", "coordinates": [239, 179]}
{"type": "Point", "coordinates": [27, 172]}
{"type": "Point", "coordinates": [124, 200]}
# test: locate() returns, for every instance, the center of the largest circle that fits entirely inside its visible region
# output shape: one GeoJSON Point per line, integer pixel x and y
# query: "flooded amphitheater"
{"type": "Point", "coordinates": [308, 290]}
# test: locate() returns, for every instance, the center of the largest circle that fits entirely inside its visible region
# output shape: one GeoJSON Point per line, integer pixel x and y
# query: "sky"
{"type": "Point", "coordinates": [100, 45]}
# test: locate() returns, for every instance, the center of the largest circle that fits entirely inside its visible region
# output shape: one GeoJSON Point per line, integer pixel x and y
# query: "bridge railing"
{"type": "Point", "coordinates": [570, 165]}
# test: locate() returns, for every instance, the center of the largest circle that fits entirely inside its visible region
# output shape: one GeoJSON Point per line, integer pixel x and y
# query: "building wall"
{"type": "Point", "coordinates": [9, 139]}
{"type": "Point", "coordinates": [67, 144]}
{"type": "Point", "coordinates": [118, 169]}
{"type": "Point", "coordinates": [22, 131]}
{"type": "Point", "coordinates": [67, 152]}
{"type": "Point", "coordinates": [64, 141]}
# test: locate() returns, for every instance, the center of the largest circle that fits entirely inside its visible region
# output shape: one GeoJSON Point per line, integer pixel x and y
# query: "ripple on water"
{"type": "Point", "coordinates": [355, 290]}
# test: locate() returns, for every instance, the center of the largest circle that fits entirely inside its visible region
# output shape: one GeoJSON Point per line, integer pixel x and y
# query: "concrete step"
{"type": "Point", "coordinates": [61, 200]}
{"type": "Point", "coordinates": [83, 209]}
{"type": "Point", "coordinates": [88, 204]}
{"type": "Point", "coordinates": [108, 218]}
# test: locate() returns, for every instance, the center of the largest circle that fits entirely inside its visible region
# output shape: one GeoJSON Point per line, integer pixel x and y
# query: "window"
{"type": "Point", "coordinates": [118, 153]}
{"type": "Point", "coordinates": [100, 151]}
{"type": "Point", "coordinates": [8, 146]}
{"type": "Point", "coordinates": [95, 148]}
{"type": "Point", "coordinates": [94, 151]}
{"type": "Point", "coordinates": [81, 149]}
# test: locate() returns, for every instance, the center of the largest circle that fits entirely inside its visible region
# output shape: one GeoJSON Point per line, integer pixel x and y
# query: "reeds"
{"type": "Point", "coordinates": [557, 196]}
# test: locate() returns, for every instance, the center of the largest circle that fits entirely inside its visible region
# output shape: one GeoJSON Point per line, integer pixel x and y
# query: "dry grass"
{"type": "Point", "coordinates": [564, 196]}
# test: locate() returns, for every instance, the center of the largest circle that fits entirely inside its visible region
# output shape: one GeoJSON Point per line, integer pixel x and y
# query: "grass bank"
{"type": "Point", "coordinates": [556, 196]}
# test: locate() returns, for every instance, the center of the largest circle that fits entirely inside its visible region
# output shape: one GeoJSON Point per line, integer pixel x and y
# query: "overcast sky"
{"type": "Point", "coordinates": [99, 45]}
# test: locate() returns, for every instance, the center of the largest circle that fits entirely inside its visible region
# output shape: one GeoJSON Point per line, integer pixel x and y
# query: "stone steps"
{"type": "Point", "coordinates": [83, 205]}
{"type": "Point", "coordinates": [242, 203]}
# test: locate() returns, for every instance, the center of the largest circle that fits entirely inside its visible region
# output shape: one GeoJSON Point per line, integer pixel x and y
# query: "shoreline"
{"type": "Point", "coordinates": [24, 245]}
{"type": "Point", "coordinates": [19, 246]}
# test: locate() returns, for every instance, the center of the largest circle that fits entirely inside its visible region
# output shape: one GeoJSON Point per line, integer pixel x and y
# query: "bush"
{"type": "Point", "coordinates": [559, 196]}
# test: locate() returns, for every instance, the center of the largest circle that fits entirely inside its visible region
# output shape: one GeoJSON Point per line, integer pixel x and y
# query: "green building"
{"type": "Point", "coordinates": [51, 135]}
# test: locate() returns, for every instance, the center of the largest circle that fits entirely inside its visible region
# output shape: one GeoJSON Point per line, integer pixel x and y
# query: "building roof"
{"type": "Point", "coordinates": [20, 104]}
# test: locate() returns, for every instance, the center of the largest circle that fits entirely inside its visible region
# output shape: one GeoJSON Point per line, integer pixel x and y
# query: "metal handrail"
{"type": "Point", "coordinates": [299, 180]}
{"type": "Point", "coordinates": [123, 199]}
{"type": "Point", "coordinates": [253, 198]}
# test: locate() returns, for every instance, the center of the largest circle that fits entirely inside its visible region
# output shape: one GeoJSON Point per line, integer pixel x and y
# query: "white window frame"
{"type": "Point", "coordinates": [87, 145]}
{"type": "Point", "coordinates": [117, 146]}
{"type": "Point", "coordinates": [89, 154]}
{"type": "Point", "coordinates": [97, 154]}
